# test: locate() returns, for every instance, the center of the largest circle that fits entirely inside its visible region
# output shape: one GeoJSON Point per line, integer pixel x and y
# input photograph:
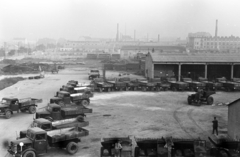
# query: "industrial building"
{"type": "Point", "coordinates": [192, 65]}
{"type": "Point", "coordinates": [233, 119]}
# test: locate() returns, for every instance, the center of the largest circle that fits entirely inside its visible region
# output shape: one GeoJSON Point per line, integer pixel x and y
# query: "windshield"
{"type": "Point", "coordinates": [7, 102]}
{"type": "Point", "coordinates": [30, 135]}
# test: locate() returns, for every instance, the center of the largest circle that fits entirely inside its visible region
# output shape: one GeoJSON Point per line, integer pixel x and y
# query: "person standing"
{"type": "Point", "coordinates": [118, 148]}
{"type": "Point", "coordinates": [215, 125]}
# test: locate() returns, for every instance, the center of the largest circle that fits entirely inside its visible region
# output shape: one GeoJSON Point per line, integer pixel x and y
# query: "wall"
{"type": "Point", "coordinates": [165, 70]}
{"type": "Point", "coordinates": [233, 120]}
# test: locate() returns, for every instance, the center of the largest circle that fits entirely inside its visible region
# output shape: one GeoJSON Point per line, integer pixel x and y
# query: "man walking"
{"type": "Point", "coordinates": [215, 126]}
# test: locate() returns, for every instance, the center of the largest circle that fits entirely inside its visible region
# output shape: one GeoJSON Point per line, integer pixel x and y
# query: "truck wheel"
{"type": "Point", "coordinates": [210, 100]}
{"type": "Point", "coordinates": [8, 114]}
{"type": "Point", "coordinates": [32, 109]}
{"type": "Point", "coordinates": [174, 89]}
{"type": "Point", "coordinates": [85, 103]}
{"type": "Point", "coordinates": [29, 153]}
{"type": "Point", "coordinates": [189, 100]}
{"type": "Point", "coordinates": [72, 148]}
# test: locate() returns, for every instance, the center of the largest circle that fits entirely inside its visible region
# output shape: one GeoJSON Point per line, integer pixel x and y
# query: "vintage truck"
{"type": "Point", "coordinates": [206, 97]}
{"type": "Point", "coordinates": [84, 90]}
{"type": "Point", "coordinates": [94, 74]}
{"type": "Point", "coordinates": [228, 85]}
{"type": "Point", "coordinates": [210, 85]}
{"type": "Point", "coordinates": [9, 105]}
{"type": "Point", "coordinates": [60, 124]}
{"type": "Point", "coordinates": [100, 85]}
{"type": "Point", "coordinates": [62, 98]}
{"type": "Point", "coordinates": [177, 85]}
{"type": "Point", "coordinates": [78, 84]}
{"type": "Point", "coordinates": [144, 85]}
{"type": "Point", "coordinates": [161, 84]}
{"type": "Point", "coordinates": [72, 83]}
{"type": "Point", "coordinates": [68, 88]}
{"type": "Point", "coordinates": [38, 141]}
{"type": "Point", "coordinates": [194, 85]}
{"type": "Point", "coordinates": [55, 112]}
{"type": "Point", "coordinates": [107, 146]}
{"type": "Point", "coordinates": [129, 84]}
{"type": "Point", "coordinates": [117, 86]}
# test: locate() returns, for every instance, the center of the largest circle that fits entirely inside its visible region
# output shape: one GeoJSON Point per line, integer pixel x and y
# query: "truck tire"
{"type": "Point", "coordinates": [32, 109]}
{"type": "Point", "coordinates": [80, 118]}
{"type": "Point", "coordinates": [8, 114]}
{"type": "Point", "coordinates": [29, 153]}
{"type": "Point", "coordinates": [210, 100]}
{"type": "Point", "coordinates": [72, 148]}
{"type": "Point", "coordinates": [189, 100]}
{"type": "Point", "coordinates": [85, 103]}
{"type": "Point", "coordinates": [136, 151]}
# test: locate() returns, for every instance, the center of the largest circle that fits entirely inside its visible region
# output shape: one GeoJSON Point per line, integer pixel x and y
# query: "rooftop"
{"type": "Point", "coordinates": [195, 57]}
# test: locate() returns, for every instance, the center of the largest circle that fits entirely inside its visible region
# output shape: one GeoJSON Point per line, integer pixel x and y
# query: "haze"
{"type": "Point", "coordinates": [34, 19]}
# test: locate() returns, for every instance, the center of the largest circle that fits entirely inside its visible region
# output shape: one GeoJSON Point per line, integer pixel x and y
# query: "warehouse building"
{"type": "Point", "coordinates": [234, 119]}
{"type": "Point", "coordinates": [192, 65]}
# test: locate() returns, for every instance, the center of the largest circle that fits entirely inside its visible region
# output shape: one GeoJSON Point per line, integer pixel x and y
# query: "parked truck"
{"type": "Point", "coordinates": [145, 85]}
{"type": "Point", "coordinates": [84, 90]}
{"type": "Point", "coordinates": [100, 85]}
{"type": "Point", "coordinates": [161, 84]}
{"type": "Point", "coordinates": [38, 141]}
{"type": "Point", "coordinates": [62, 98]}
{"type": "Point", "coordinates": [60, 124]}
{"type": "Point", "coordinates": [55, 112]}
{"type": "Point", "coordinates": [194, 85]}
{"type": "Point", "coordinates": [68, 88]}
{"type": "Point", "coordinates": [177, 85]}
{"type": "Point", "coordinates": [210, 85]}
{"type": "Point", "coordinates": [229, 85]}
{"type": "Point", "coordinates": [116, 85]}
{"type": "Point", "coordinates": [94, 73]}
{"type": "Point", "coordinates": [9, 105]}
{"type": "Point", "coordinates": [129, 84]}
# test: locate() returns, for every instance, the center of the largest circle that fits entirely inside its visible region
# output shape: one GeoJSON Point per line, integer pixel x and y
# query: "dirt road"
{"type": "Point", "coordinates": [141, 114]}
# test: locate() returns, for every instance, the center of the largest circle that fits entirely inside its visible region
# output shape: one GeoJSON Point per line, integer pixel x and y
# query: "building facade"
{"type": "Point", "coordinates": [233, 119]}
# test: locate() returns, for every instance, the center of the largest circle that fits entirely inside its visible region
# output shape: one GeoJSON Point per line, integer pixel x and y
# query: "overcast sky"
{"type": "Point", "coordinates": [70, 19]}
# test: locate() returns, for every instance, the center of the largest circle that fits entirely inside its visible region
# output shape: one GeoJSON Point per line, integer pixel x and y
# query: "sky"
{"type": "Point", "coordinates": [71, 19]}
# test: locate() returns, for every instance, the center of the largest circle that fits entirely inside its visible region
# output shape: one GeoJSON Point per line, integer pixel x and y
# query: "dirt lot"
{"type": "Point", "coordinates": [140, 114]}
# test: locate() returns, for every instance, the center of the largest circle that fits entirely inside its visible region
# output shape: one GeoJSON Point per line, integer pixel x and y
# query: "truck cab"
{"type": "Point", "coordinates": [35, 142]}
{"type": "Point", "coordinates": [10, 103]}
{"type": "Point", "coordinates": [61, 98]}
{"type": "Point", "coordinates": [52, 112]}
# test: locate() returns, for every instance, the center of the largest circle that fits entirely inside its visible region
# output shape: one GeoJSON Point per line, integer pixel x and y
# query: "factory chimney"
{"type": "Point", "coordinates": [216, 29]}
{"type": "Point", "coordinates": [158, 38]}
{"type": "Point", "coordinates": [134, 35]}
{"type": "Point", "coordinates": [117, 37]}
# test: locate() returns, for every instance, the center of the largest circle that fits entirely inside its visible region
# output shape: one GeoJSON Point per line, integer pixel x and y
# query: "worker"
{"type": "Point", "coordinates": [198, 95]}
{"type": "Point", "coordinates": [215, 125]}
{"type": "Point", "coordinates": [118, 148]}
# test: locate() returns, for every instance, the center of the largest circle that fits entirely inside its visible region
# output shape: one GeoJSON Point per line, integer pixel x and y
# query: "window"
{"type": "Point", "coordinates": [40, 136]}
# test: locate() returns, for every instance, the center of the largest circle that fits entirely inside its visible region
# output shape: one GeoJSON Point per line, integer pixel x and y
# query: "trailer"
{"type": "Point", "coordinates": [194, 85]}
{"type": "Point", "coordinates": [177, 85]}
{"type": "Point", "coordinates": [100, 85]}
{"type": "Point", "coordinates": [117, 86]}
{"type": "Point", "coordinates": [9, 105]}
{"type": "Point", "coordinates": [107, 146]}
{"type": "Point", "coordinates": [229, 85]}
{"type": "Point", "coordinates": [38, 141]}
{"type": "Point", "coordinates": [63, 98]}
{"type": "Point", "coordinates": [55, 112]}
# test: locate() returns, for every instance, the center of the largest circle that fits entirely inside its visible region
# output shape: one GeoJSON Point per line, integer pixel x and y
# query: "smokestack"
{"type": "Point", "coordinates": [216, 29]}
{"type": "Point", "coordinates": [117, 37]}
{"type": "Point", "coordinates": [158, 38]}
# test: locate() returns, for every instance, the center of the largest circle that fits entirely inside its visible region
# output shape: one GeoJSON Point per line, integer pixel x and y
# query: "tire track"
{"type": "Point", "coordinates": [203, 132]}
{"type": "Point", "coordinates": [179, 121]}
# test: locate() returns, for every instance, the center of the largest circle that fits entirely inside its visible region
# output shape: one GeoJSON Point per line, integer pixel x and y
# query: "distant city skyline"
{"type": "Point", "coordinates": [71, 19]}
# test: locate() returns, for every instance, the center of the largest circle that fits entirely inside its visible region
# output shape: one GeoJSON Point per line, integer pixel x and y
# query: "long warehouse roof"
{"type": "Point", "coordinates": [196, 57]}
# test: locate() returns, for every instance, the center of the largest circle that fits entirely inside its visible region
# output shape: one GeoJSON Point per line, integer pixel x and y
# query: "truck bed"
{"type": "Point", "coordinates": [75, 111]}
{"type": "Point", "coordinates": [29, 101]}
{"type": "Point", "coordinates": [69, 123]}
{"type": "Point", "coordinates": [59, 135]}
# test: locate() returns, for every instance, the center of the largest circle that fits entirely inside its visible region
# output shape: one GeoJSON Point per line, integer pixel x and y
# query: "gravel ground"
{"type": "Point", "coordinates": [140, 114]}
